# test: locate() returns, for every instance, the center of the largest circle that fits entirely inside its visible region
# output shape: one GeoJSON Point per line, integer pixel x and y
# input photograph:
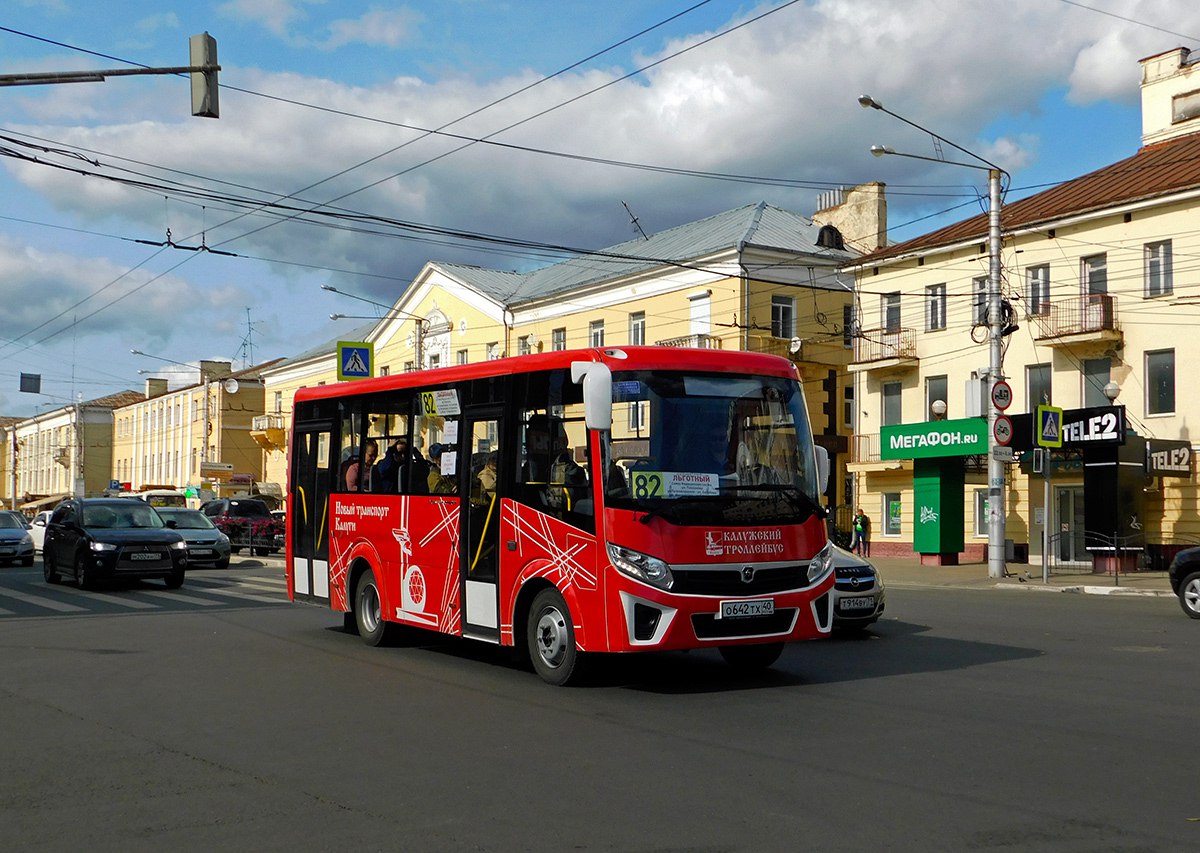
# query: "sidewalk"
{"type": "Point", "coordinates": [908, 571]}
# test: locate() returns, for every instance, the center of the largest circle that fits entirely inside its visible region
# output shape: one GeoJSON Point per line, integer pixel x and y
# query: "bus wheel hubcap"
{"type": "Point", "coordinates": [551, 637]}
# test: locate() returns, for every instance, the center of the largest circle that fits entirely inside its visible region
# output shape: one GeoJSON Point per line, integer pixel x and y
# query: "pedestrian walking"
{"type": "Point", "coordinates": [860, 537]}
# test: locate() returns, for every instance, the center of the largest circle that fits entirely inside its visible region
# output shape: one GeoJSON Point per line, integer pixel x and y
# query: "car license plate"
{"type": "Point", "coordinates": [863, 602]}
{"type": "Point", "coordinates": [746, 607]}
{"type": "Point", "coordinates": [8, 550]}
{"type": "Point", "coordinates": [145, 555]}
{"type": "Point", "coordinates": [202, 552]}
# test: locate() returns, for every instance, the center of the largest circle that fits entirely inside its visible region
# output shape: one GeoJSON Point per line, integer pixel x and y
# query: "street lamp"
{"type": "Point", "coordinates": [995, 323]}
{"type": "Point", "coordinates": [391, 311]}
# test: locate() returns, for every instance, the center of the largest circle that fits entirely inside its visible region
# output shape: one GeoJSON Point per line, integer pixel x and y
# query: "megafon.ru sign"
{"type": "Point", "coordinates": [964, 437]}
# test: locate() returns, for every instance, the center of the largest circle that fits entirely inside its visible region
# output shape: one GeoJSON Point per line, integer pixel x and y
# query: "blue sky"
{"type": "Point", "coordinates": [1046, 88]}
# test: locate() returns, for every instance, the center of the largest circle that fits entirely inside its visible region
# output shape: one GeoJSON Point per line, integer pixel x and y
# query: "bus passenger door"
{"type": "Point", "coordinates": [480, 541]}
{"type": "Point", "coordinates": [311, 460]}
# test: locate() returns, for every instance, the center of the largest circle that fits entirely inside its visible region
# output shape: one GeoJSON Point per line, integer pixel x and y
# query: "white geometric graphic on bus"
{"type": "Point", "coordinates": [417, 604]}
{"type": "Point", "coordinates": [536, 531]}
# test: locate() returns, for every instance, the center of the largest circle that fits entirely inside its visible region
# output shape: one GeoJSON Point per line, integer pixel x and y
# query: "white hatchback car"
{"type": "Point", "coordinates": [38, 529]}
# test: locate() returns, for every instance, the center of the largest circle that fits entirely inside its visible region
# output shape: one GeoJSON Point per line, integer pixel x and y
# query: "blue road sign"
{"type": "Point", "coordinates": [355, 360]}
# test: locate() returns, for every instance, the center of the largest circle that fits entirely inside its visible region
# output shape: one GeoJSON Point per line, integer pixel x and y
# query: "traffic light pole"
{"type": "Point", "coordinates": [997, 470]}
{"type": "Point", "coordinates": [203, 69]}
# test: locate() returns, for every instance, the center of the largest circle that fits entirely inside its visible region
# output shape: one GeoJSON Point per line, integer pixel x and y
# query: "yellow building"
{"type": "Point", "coordinates": [755, 278]}
{"type": "Point", "coordinates": [1098, 280]}
{"type": "Point", "coordinates": [196, 437]}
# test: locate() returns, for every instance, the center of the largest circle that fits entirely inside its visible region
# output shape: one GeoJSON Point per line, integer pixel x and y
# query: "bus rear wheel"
{"type": "Point", "coordinates": [368, 612]}
{"type": "Point", "coordinates": [750, 658]}
{"type": "Point", "coordinates": [551, 639]}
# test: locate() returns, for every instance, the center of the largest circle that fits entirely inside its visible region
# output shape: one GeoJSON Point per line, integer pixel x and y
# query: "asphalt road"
{"type": "Point", "coordinates": [229, 719]}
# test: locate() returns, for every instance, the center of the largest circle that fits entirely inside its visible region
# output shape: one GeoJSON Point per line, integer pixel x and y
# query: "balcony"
{"type": "Point", "coordinates": [865, 455]}
{"type": "Point", "coordinates": [776, 346]}
{"type": "Point", "coordinates": [884, 350]}
{"type": "Point", "coordinates": [692, 342]}
{"type": "Point", "coordinates": [270, 431]}
{"type": "Point", "coordinates": [1080, 320]}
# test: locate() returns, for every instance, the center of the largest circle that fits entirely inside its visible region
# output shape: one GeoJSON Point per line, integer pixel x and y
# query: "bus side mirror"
{"type": "Point", "coordinates": [822, 469]}
{"type": "Point", "coordinates": [597, 392]}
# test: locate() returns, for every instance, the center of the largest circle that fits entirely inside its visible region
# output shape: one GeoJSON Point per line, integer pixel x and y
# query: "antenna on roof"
{"type": "Point", "coordinates": [633, 220]}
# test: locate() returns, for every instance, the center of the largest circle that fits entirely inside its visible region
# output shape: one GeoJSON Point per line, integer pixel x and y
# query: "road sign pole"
{"type": "Point", "coordinates": [996, 469]}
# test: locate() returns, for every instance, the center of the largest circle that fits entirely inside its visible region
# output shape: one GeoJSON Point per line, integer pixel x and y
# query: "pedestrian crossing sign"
{"type": "Point", "coordinates": [1049, 426]}
{"type": "Point", "coordinates": [356, 360]}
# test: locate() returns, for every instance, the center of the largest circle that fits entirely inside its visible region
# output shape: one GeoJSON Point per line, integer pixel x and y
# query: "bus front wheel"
{"type": "Point", "coordinates": [551, 639]}
{"type": "Point", "coordinates": [368, 612]}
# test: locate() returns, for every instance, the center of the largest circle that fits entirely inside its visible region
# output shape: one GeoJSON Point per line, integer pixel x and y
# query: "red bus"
{"type": "Point", "coordinates": [567, 503]}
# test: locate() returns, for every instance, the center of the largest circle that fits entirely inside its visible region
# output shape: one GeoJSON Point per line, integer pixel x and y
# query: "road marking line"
{"type": "Point", "coordinates": [120, 601]}
{"type": "Point", "coordinates": [39, 601]}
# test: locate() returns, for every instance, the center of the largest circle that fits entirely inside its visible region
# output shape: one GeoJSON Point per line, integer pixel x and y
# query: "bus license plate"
{"type": "Point", "coordinates": [746, 607]}
{"type": "Point", "coordinates": [864, 602]}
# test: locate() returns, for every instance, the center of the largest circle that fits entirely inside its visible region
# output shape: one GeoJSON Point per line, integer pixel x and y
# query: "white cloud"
{"type": "Point", "coordinates": [376, 28]}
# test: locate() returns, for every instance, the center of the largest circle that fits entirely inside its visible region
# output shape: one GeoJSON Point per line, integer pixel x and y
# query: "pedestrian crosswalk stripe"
{"type": "Point", "coordinates": [180, 597]}
{"type": "Point", "coordinates": [118, 600]}
{"type": "Point", "coordinates": [41, 601]}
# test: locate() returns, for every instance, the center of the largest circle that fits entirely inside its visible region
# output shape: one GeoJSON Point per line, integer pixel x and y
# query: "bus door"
{"type": "Point", "coordinates": [480, 541]}
{"type": "Point", "coordinates": [311, 477]}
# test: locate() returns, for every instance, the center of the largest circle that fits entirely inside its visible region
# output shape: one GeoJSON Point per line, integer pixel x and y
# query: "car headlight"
{"type": "Point", "coordinates": [222, 539]}
{"type": "Point", "coordinates": [27, 540]}
{"type": "Point", "coordinates": [641, 566]}
{"type": "Point", "coordinates": [181, 545]}
{"type": "Point", "coordinates": [103, 546]}
{"type": "Point", "coordinates": [821, 565]}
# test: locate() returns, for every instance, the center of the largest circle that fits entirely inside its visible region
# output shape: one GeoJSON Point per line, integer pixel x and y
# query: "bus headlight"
{"type": "Point", "coordinates": [821, 565]}
{"type": "Point", "coordinates": [640, 566]}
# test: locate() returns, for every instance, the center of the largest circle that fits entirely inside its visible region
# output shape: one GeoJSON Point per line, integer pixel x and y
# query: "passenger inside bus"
{"type": "Point", "coordinates": [364, 469]}
{"type": "Point", "coordinates": [439, 483]}
{"type": "Point", "coordinates": [550, 476]}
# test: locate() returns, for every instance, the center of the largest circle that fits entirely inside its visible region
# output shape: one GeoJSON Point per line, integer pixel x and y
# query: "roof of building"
{"type": "Point", "coordinates": [325, 348]}
{"type": "Point", "coordinates": [1155, 170]}
{"type": "Point", "coordinates": [759, 225]}
{"type": "Point", "coordinates": [114, 401]}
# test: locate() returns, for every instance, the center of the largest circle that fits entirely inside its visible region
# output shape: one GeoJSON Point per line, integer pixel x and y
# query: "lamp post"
{"type": "Point", "coordinates": [419, 344]}
{"type": "Point", "coordinates": [995, 323]}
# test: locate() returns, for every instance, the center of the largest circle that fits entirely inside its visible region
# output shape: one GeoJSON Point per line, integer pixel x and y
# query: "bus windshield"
{"type": "Point", "coordinates": [704, 449]}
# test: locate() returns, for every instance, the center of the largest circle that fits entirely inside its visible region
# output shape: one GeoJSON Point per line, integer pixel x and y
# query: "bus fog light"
{"type": "Point", "coordinates": [640, 566]}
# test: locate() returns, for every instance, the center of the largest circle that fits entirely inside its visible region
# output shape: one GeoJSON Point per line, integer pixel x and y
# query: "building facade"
{"type": "Point", "coordinates": [1100, 300]}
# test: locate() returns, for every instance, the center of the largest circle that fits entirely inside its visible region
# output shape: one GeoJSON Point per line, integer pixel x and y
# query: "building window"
{"type": "Point", "coordinates": [1160, 382]}
{"type": "Point", "coordinates": [891, 404]}
{"type": "Point", "coordinates": [637, 329]}
{"type": "Point", "coordinates": [1094, 274]}
{"type": "Point", "coordinates": [891, 514]}
{"type": "Point", "coordinates": [523, 347]}
{"type": "Point", "coordinates": [279, 402]}
{"type": "Point", "coordinates": [848, 407]}
{"type": "Point", "coordinates": [558, 340]}
{"type": "Point", "coordinates": [385, 370]}
{"type": "Point", "coordinates": [1037, 386]}
{"type": "Point", "coordinates": [891, 312]}
{"type": "Point", "coordinates": [849, 327]}
{"type": "Point", "coordinates": [493, 351]}
{"type": "Point", "coordinates": [936, 388]}
{"type": "Point", "coordinates": [1158, 269]}
{"type": "Point", "coordinates": [981, 512]}
{"type": "Point", "coordinates": [699, 318]}
{"type": "Point", "coordinates": [461, 357]}
{"type": "Point", "coordinates": [1037, 289]}
{"type": "Point", "coordinates": [435, 360]}
{"type": "Point", "coordinates": [783, 317]}
{"type": "Point", "coordinates": [596, 333]}
{"type": "Point", "coordinates": [935, 307]}
{"type": "Point", "coordinates": [979, 301]}
{"type": "Point", "coordinates": [409, 366]}
{"type": "Point", "coordinates": [1096, 374]}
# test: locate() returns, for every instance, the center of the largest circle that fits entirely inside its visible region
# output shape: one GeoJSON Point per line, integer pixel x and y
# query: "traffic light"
{"type": "Point", "coordinates": [203, 52]}
{"type": "Point", "coordinates": [1039, 460]}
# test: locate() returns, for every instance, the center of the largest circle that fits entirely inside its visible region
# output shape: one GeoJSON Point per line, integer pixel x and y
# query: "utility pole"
{"type": "Point", "coordinates": [994, 320]}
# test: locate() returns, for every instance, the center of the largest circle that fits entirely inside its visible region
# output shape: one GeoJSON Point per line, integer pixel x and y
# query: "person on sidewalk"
{"type": "Point", "coordinates": [860, 537]}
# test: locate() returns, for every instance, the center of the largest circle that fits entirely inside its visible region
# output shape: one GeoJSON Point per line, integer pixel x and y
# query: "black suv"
{"type": "Point", "coordinates": [1185, 580]}
{"type": "Point", "coordinates": [99, 538]}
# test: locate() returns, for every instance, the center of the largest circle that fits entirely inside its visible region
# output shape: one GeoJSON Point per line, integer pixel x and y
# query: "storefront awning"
{"type": "Point", "coordinates": [44, 503]}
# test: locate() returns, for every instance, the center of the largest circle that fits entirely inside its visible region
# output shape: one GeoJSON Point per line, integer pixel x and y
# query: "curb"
{"type": "Point", "coordinates": [1090, 590]}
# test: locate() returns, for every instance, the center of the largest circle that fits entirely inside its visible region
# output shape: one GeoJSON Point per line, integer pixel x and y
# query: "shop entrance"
{"type": "Point", "coordinates": [1068, 530]}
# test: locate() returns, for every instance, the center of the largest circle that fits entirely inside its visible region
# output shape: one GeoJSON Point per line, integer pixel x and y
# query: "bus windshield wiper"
{"type": "Point", "coordinates": [799, 498]}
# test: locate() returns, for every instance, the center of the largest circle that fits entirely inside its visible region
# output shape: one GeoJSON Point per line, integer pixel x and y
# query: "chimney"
{"type": "Point", "coordinates": [215, 370]}
{"type": "Point", "coordinates": [860, 214]}
{"type": "Point", "coordinates": [1170, 95]}
{"type": "Point", "coordinates": [155, 387]}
